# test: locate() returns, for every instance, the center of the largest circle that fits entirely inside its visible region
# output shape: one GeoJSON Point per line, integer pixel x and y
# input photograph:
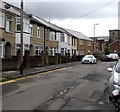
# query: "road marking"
{"type": "Point", "coordinates": [27, 77]}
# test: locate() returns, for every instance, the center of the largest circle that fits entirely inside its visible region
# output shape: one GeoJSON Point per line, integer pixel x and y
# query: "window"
{"type": "Point", "coordinates": [52, 35]}
{"type": "Point", "coordinates": [38, 49]}
{"type": "Point", "coordinates": [1, 50]}
{"type": "Point", "coordinates": [62, 37]}
{"type": "Point", "coordinates": [18, 25]}
{"type": "Point", "coordinates": [1, 20]}
{"type": "Point", "coordinates": [81, 42]}
{"type": "Point", "coordinates": [55, 50]}
{"type": "Point", "coordinates": [51, 51]}
{"type": "Point", "coordinates": [62, 51]}
{"type": "Point", "coordinates": [31, 30]}
{"type": "Point", "coordinates": [68, 40]}
{"type": "Point", "coordinates": [38, 32]}
{"type": "Point", "coordinates": [8, 24]}
{"type": "Point", "coordinates": [26, 46]}
{"type": "Point", "coordinates": [26, 27]}
{"type": "Point", "coordinates": [89, 43]}
{"type": "Point", "coordinates": [46, 34]}
{"type": "Point", "coordinates": [17, 48]}
{"type": "Point", "coordinates": [82, 52]}
{"type": "Point", "coordinates": [57, 36]}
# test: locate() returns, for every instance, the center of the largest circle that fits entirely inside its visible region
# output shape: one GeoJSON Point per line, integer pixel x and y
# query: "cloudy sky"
{"type": "Point", "coordinates": [79, 15]}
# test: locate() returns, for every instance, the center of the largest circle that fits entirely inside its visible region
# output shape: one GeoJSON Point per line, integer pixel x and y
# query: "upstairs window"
{"type": "Point", "coordinates": [31, 29]}
{"type": "Point", "coordinates": [38, 32]}
{"type": "Point", "coordinates": [8, 24]}
{"type": "Point", "coordinates": [52, 36]}
{"type": "Point", "coordinates": [18, 25]}
{"type": "Point", "coordinates": [89, 43]}
{"type": "Point", "coordinates": [81, 42]}
{"type": "Point", "coordinates": [68, 40]}
{"type": "Point", "coordinates": [46, 34]}
{"type": "Point", "coordinates": [62, 37]}
{"type": "Point", "coordinates": [1, 20]}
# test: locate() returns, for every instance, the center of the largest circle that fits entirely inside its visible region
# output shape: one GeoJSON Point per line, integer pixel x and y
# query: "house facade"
{"type": "Point", "coordinates": [7, 31]}
{"type": "Point", "coordinates": [39, 36]}
{"type": "Point", "coordinates": [115, 47]}
{"type": "Point", "coordinates": [114, 34]}
{"type": "Point", "coordinates": [81, 44]}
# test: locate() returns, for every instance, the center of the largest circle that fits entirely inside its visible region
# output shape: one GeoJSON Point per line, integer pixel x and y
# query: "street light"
{"type": "Point", "coordinates": [21, 47]}
{"type": "Point", "coordinates": [94, 37]}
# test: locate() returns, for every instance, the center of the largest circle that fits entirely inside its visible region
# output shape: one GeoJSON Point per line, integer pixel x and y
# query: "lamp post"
{"type": "Point", "coordinates": [21, 46]}
{"type": "Point", "coordinates": [94, 37]}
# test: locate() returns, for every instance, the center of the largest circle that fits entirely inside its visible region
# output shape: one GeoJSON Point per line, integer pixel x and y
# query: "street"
{"type": "Point", "coordinates": [79, 87]}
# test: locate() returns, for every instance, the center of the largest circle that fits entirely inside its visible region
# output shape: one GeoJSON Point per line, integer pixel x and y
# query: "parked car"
{"type": "Point", "coordinates": [89, 59]}
{"type": "Point", "coordinates": [106, 58]}
{"type": "Point", "coordinates": [114, 80]}
{"type": "Point", "coordinates": [114, 56]}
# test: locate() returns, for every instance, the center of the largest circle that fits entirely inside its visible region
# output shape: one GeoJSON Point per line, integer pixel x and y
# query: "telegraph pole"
{"type": "Point", "coordinates": [21, 45]}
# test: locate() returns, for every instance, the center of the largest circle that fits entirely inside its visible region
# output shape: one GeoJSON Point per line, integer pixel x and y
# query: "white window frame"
{"type": "Point", "coordinates": [89, 43]}
{"type": "Point", "coordinates": [1, 45]}
{"type": "Point", "coordinates": [8, 24]}
{"type": "Point", "coordinates": [26, 27]}
{"type": "Point", "coordinates": [18, 22]}
{"type": "Point", "coordinates": [31, 30]}
{"type": "Point", "coordinates": [52, 36]}
{"type": "Point", "coordinates": [62, 51]}
{"type": "Point", "coordinates": [38, 32]}
{"type": "Point", "coordinates": [62, 37]}
{"type": "Point", "coordinates": [81, 42]}
{"type": "Point", "coordinates": [2, 15]}
{"type": "Point", "coordinates": [68, 40]}
{"type": "Point", "coordinates": [51, 51]}
{"type": "Point", "coordinates": [46, 34]}
{"type": "Point", "coordinates": [39, 48]}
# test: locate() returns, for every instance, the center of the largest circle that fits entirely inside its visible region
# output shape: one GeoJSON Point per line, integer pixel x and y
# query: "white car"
{"type": "Point", "coordinates": [89, 59]}
{"type": "Point", "coordinates": [114, 56]}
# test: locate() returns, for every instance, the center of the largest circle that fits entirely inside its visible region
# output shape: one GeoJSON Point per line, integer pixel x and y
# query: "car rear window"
{"type": "Point", "coordinates": [118, 67]}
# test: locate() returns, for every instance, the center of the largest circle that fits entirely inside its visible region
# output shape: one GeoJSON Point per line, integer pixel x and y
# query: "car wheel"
{"type": "Point", "coordinates": [110, 98]}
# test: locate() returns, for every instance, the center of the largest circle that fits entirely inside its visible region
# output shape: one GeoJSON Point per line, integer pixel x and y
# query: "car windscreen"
{"type": "Point", "coordinates": [89, 56]}
{"type": "Point", "coordinates": [117, 68]}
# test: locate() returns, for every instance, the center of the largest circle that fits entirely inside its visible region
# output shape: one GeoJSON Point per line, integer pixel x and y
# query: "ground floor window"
{"type": "Point", "coordinates": [53, 50]}
{"type": "Point", "coordinates": [17, 48]}
{"type": "Point", "coordinates": [62, 52]}
{"type": "Point", "coordinates": [38, 50]}
{"type": "Point", "coordinates": [81, 52]}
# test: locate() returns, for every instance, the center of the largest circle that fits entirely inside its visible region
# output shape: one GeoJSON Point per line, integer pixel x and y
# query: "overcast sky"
{"type": "Point", "coordinates": [80, 15]}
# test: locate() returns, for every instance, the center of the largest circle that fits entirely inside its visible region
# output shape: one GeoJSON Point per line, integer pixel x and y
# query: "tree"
{"type": "Point", "coordinates": [107, 50]}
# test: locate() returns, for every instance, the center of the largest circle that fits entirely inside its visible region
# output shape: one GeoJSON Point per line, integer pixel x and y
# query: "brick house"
{"type": "Point", "coordinates": [115, 46]}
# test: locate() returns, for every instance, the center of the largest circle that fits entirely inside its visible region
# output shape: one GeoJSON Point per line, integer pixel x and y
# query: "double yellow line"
{"type": "Point", "coordinates": [27, 77]}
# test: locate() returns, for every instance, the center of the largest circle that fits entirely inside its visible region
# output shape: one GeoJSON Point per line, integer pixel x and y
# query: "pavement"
{"type": "Point", "coordinates": [35, 70]}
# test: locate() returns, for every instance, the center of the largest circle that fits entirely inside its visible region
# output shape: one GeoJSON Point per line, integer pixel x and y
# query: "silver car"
{"type": "Point", "coordinates": [114, 80]}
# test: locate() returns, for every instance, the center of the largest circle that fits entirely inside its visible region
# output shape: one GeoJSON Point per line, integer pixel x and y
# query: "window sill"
{"type": "Point", "coordinates": [9, 32]}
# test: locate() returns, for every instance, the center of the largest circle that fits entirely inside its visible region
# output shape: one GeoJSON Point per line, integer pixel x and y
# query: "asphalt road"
{"type": "Point", "coordinates": [79, 87]}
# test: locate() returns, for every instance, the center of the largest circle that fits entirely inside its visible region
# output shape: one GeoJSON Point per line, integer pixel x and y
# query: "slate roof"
{"type": "Point", "coordinates": [78, 35]}
{"type": "Point", "coordinates": [47, 24]}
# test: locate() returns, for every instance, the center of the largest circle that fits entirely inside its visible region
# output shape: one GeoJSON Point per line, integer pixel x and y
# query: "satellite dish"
{"type": "Point", "coordinates": [7, 6]}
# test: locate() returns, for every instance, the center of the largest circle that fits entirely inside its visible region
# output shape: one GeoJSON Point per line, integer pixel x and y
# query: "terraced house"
{"type": "Point", "coordinates": [44, 37]}
{"type": "Point", "coordinates": [7, 31]}
{"type": "Point", "coordinates": [39, 36]}
{"type": "Point", "coordinates": [81, 44]}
